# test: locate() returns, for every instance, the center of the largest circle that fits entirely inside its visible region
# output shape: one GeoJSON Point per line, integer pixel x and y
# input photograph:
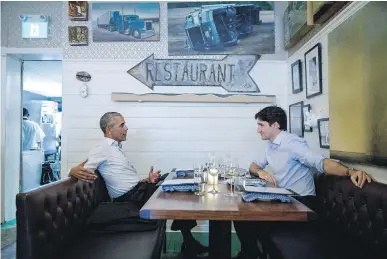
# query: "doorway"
{"type": "Point", "coordinates": [28, 80]}
{"type": "Point", "coordinates": [42, 111]}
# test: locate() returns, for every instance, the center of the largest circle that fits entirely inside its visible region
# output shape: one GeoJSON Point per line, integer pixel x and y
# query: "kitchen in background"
{"type": "Point", "coordinates": [42, 97]}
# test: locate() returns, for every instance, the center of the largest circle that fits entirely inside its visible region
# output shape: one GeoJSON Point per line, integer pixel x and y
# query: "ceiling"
{"type": "Point", "coordinates": [43, 77]}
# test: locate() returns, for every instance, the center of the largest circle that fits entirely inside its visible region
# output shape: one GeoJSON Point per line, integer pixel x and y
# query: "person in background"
{"type": "Point", "coordinates": [122, 180]}
{"type": "Point", "coordinates": [32, 134]}
{"type": "Point", "coordinates": [291, 161]}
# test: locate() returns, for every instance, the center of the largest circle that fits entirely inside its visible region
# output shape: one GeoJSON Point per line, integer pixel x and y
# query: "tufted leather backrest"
{"type": "Point", "coordinates": [50, 217]}
{"type": "Point", "coordinates": [360, 214]}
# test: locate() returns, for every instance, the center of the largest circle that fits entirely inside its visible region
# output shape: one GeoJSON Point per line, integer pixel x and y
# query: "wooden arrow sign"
{"type": "Point", "coordinates": [231, 73]}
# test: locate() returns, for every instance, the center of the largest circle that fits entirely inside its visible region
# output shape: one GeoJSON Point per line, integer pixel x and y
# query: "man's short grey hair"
{"type": "Point", "coordinates": [106, 120]}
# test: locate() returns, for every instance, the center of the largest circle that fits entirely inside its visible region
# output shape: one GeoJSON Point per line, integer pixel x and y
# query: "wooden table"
{"type": "Point", "coordinates": [220, 210]}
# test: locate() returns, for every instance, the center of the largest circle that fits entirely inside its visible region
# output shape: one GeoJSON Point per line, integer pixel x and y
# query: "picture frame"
{"type": "Point", "coordinates": [78, 10]}
{"type": "Point", "coordinates": [296, 119]}
{"type": "Point", "coordinates": [191, 35]}
{"type": "Point", "coordinates": [296, 70]}
{"type": "Point", "coordinates": [313, 73]}
{"type": "Point", "coordinates": [125, 21]}
{"type": "Point", "coordinates": [323, 132]}
{"type": "Point", "coordinates": [305, 110]}
{"type": "Point", "coordinates": [78, 35]}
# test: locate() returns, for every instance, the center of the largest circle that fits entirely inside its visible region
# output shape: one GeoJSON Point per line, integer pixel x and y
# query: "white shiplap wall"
{"type": "Point", "coordinates": [320, 104]}
{"type": "Point", "coordinates": [165, 135]}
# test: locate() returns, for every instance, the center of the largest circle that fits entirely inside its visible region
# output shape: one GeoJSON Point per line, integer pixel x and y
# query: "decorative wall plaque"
{"type": "Point", "coordinates": [231, 72]}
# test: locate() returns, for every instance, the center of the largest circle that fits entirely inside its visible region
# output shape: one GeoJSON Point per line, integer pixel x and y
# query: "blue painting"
{"type": "Point", "coordinates": [125, 21]}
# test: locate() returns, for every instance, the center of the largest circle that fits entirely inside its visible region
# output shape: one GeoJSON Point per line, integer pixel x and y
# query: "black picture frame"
{"type": "Point", "coordinates": [308, 108]}
{"type": "Point", "coordinates": [323, 132]}
{"type": "Point", "coordinates": [296, 119]}
{"type": "Point", "coordinates": [313, 71]}
{"type": "Point", "coordinates": [296, 70]}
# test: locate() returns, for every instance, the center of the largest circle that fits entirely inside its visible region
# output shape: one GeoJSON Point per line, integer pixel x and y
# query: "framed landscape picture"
{"type": "Point", "coordinates": [296, 70]}
{"type": "Point", "coordinates": [313, 73]}
{"type": "Point", "coordinates": [323, 132]}
{"type": "Point", "coordinates": [296, 119]}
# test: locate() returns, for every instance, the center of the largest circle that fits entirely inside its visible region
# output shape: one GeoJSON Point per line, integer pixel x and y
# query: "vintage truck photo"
{"type": "Point", "coordinates": [125, 21]}
{"type": "Point", "coordinates": [218, 26]}
{"type": "Point", "coordinates": [126, 24]}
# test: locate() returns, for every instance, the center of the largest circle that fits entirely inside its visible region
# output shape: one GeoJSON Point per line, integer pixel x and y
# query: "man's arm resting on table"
{"type": "Point", "coordinates": [335, 168]}
{"type": "Point", "coordinates": [258, 171]}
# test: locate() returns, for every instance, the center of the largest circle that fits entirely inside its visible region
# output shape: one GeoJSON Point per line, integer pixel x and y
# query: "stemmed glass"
{"type": "Point", "coordinates": [232, 170]}
{"type": "Point", "coordinates": [213, 171]}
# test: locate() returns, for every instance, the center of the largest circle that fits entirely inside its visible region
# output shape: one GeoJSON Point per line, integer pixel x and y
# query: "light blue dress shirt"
{"type": "Point", "coordinates": [118, 172]}
{"type": "Point", "coordinates": [291, 161]}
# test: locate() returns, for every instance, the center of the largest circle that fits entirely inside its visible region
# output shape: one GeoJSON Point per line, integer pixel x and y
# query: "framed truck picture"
{"type": "Point", "coordinates": [125, 21]}
{"type": "Point", "coordinates": [221, 27]}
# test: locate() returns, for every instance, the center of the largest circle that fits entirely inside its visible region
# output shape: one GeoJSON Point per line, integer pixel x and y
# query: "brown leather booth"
{"type": "Point", "coordinates": [51, 223]}
{"type": "Point", "coordinates": [352, 224]}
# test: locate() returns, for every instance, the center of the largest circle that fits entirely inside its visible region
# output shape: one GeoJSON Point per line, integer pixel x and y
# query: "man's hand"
{"type": "Point", "coordinates": [359, 177]}
{"type": "Point", "coordinates": [153, 177]}
{"type": "Point", "coordinates": [266, 176]}
{"type": "Point", "coordinates": [82, 173]}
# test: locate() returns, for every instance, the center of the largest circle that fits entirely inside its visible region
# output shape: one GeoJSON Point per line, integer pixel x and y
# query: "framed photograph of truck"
{"type": "Point", "coordinates": [221, 27]}
{"type": "Point", "coordinates": [125, 21]}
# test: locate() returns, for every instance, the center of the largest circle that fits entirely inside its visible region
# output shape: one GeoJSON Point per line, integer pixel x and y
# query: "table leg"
{"type": "Point", "coordinates": [220, 239]}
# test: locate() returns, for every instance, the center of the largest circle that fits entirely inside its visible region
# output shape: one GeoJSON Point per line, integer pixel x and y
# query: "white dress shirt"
{"type": "Point", "coordinates": [119, 174]}
{"type": "Point", "coordinates": [32, 134]}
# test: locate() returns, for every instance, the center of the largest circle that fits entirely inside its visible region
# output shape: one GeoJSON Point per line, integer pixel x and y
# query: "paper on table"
{"type": "Point", "coordinates": [178, 182]}
{"type": "Point", "coordinates": [267, 190]}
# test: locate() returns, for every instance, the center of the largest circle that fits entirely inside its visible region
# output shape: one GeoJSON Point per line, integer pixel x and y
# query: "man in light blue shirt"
{"type": "Point", "coordinates": [121, 178]}
{"type": "Point", "coordinates": [292, 162]}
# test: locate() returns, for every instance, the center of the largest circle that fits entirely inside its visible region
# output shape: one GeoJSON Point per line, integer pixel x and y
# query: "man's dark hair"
{"type": "Point", "coordinates": [273, 114]}
{"type": "Point", "coordinates": [106, 120]}
{"type": "Point", "coordinates": [25, 112]}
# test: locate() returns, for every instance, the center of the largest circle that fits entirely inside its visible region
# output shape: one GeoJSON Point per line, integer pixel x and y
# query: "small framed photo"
{"type": "Point", "coordinates": [296, 119]}
{"type": "Point", "coordinates": [323, 132]}
{"type": "Point", "coordinates": [306, 110]}
{"type": "Point", "coordinates": [313, 73]}
{"type": "Point", "coordinates": [78, 35]}
{"type": "Point", "coordinates": [296, 77]}
{"type": "Point", "coordinates": [78, 10]}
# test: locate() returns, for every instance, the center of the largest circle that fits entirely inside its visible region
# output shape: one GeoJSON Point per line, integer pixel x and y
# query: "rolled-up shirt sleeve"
{"type": "Point", "coordinates": [302, 153]}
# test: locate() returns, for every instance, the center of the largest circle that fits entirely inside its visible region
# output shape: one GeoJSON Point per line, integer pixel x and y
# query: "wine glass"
{"type": "Point", "coordinates": [213, 171]}
{"type": "Point", "coordinates": [232, 172]}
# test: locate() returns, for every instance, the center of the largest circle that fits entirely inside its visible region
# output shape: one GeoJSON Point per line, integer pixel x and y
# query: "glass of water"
{"type": "Point", "coordinates": [232, 171]}
{"type": "Point", "coordinates": [200, 180]}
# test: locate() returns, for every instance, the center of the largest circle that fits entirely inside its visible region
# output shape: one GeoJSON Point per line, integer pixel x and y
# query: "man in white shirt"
{"type": "Point", "coordinates": [32, 134]}
{"type": "Point", "coordinates": [121, 178]}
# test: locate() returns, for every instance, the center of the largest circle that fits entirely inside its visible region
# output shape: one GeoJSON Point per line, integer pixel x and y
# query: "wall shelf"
{"type": "Point", "coordinates": [202, 98]}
